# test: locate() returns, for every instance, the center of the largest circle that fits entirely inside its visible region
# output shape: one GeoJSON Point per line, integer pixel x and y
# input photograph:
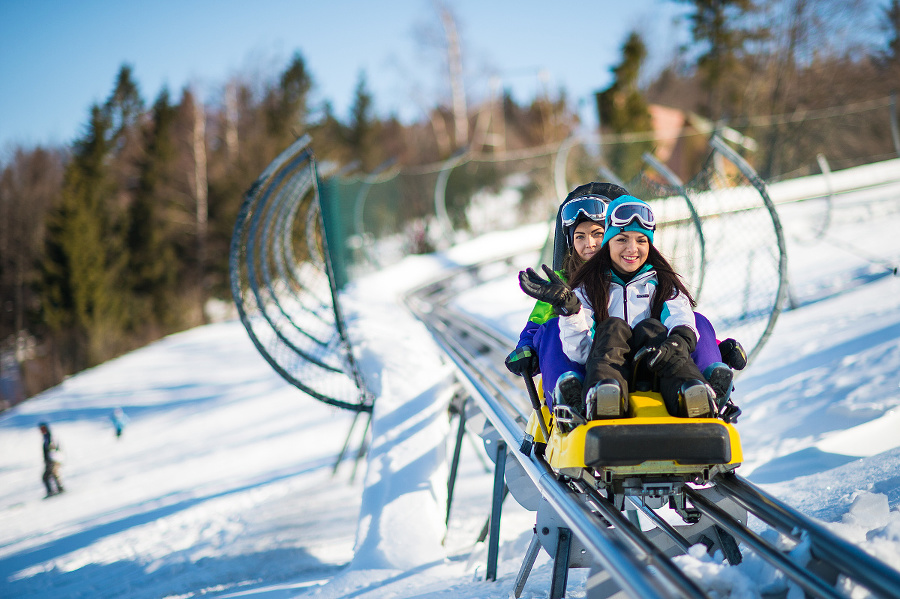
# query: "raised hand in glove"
{"type": "Point", "coordinates": [522, 360]}
{"type": "Point", "coordinates": [733, 354]}
{"type": "Point", "coordinates": [554, 290]}
{"type": "Point", "coordinates": [668, 358]}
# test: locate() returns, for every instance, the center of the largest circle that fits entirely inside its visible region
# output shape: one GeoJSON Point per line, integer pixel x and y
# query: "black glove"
{"type": "Point", "coordinates": [522, 360]}
{"type": "Point", "coordinates": [668, 358]}
{"type": "Point", "coordinates": [733, 354]}
{"type": "Point", "coordinates": [554, 291]}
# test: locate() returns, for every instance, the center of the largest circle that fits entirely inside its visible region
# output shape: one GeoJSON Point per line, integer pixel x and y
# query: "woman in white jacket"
{"type": "Point", "coordinates": [627, 307]}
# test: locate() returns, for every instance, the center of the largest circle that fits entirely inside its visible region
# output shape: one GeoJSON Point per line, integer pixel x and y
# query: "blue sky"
{"type": "Point", "coordinates": [58, 58]}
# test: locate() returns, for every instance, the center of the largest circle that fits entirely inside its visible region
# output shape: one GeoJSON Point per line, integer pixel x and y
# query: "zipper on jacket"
{"type": "Point", "coordinates": [624, 287]}
{"type": "Point", "coordinates": [625, 297]}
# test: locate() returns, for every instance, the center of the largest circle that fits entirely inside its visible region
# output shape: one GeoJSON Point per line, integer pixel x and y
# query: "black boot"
{"type": "Point", "coordinates": [568, 403]}
{"type": "Point", "coordinates": [720, 378]}
{"type": "Point", "coordinates": [733, 354]}
{"type": "Point", "coordinates": [568, 391]}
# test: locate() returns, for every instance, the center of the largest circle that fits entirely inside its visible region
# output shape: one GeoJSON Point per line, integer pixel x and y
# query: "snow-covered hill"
{"type": "Point", "coordinates": [222, 484]}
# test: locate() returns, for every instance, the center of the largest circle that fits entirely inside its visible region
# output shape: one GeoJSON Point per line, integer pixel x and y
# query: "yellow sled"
{"type": "Point", "coordinates": [648, 443]}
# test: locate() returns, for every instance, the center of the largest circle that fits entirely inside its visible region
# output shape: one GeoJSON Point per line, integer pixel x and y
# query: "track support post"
{"type": "Point", "coordinates": [459, 406]}
{"type": "Point", "coordinates": [496, 509]}
{"type": "Point", "coordinates": [533, 549]}
{"type": "Point", "coordinates": [561, 564]}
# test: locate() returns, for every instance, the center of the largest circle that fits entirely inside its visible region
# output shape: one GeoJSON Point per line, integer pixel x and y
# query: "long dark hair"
{"type": "Point", "coordinates": [572, 262]}
{"type": "Point", "coordinates": [596, 274]}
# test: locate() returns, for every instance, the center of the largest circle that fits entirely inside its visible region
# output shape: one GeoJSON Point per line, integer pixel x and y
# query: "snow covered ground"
{"type": "Point", "coordinates": [222, 484]}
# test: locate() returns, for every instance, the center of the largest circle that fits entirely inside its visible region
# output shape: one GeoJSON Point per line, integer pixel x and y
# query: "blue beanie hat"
{"type": "Point", "coordinates": [634, 225]}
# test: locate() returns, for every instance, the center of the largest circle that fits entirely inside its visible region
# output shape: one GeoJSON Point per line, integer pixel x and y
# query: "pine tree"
{"type": "Point", "coordinates": [623, 109]}
{"type": "Point", "coordinates": [718, 28]}
{"type": "Point", "coordinates": [79, 283]}
{"type": "Point", "coordinates": [84, 298]}
{"type": "Point", "coordinates": [124, 105]}
{"type": "Point", "coordinates": [287, 108]}
{"type": "Point", "coordinates": [29, 184]}
{"type": "Point", "coordinates": [362, 131]}
{"type": "Point", "coordinates": [152, 267]}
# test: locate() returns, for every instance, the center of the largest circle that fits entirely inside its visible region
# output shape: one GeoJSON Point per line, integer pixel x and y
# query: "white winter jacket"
{"type": "Point", "coordinates": [629, 301]}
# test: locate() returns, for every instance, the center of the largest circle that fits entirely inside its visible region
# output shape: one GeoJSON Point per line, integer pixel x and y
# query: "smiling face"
{"type": "Point", "coordinates": [629, 250]}
{"type": "Point", "coordinates": [587, 239]}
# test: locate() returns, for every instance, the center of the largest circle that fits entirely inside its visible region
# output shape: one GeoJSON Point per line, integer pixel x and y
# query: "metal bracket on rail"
{"type": "Point", "coordinates": [699, 528]}
{"type": "Point", "coordinates": [567, 551]}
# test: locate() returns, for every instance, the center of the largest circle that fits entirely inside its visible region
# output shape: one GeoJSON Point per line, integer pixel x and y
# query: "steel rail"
{"type": "Point", "coordinates": [497, 386]}
{"type": "Point", "coordinates": [627, 569]}
{"type": "Point", "coordinates": [633, 534]}
{"type": "Point", "coordinates": [814, 585]}
{"type": "Point", "coordinates": [849, 559]}
{"type": "Point", "coordinates": [623, 546]}
{"type": "Point", "coordinates": [456, 332]}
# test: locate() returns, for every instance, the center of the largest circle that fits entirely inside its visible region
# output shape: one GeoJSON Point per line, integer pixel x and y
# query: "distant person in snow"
{"type": "Point", "coordinates": [581, 223]}
{"type": "Point", "coordinates": [51, 462]}
{"type": "Point", "coordinates": [119, 420]}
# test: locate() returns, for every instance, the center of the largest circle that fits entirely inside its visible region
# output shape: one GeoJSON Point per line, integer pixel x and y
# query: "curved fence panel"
{"type": "Point", "coordinates": [282, 283]}
{"type": "Point", "coordinates": [746, 271]}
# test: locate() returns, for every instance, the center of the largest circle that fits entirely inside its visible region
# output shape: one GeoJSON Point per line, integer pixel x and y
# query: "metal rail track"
{"type": "Point", "coordinates": [630, 558]}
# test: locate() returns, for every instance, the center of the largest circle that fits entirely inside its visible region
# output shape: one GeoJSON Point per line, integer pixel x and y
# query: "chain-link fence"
{"type": "Point", "coordinates": [394, 212]}
{"type": "Point", "coordinates": [746, 267]}
{"type": "Point", "coordinates": [720, 230]}
{"type": "Point", "coordinates": [283, 283]}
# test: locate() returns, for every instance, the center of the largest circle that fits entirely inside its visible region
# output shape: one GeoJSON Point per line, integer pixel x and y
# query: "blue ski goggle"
{"type": "Point", "coordinates": [592, 207]}
{"type": "Point", "coordinates": [628, 212]}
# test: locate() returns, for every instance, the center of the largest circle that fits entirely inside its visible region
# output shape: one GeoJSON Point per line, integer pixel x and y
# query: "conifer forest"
{"type": "Point", "coordinates": [122, 235]}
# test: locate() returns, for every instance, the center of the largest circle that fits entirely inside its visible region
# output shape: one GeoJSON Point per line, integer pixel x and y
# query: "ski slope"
{"type": "Point", "coordinates": [222, 484]}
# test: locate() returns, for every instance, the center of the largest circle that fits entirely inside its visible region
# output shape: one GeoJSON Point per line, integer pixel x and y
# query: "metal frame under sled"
{"type": "Point", "coordinates": [568, 551]}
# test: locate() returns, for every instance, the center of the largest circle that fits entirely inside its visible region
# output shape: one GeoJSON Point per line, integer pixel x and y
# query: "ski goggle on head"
{"type": "Point", "coordinates": [628, 212]}
{"type": "Point", "coordinates": [592, 207]}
